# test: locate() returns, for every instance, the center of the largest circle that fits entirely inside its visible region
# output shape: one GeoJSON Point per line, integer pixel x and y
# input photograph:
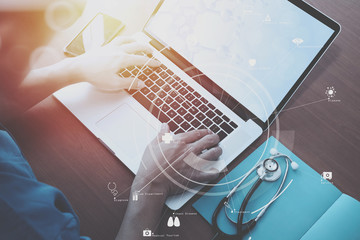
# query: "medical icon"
{"type": "Point", "coordinates": [298, 41]}
{"type": "Point", "coordinates": [112, 188]}
{"type": "Point", "coordinates": [167, 138]}
{"type": "Point", "coordinates": [147, 232]}
{"type": "Point", "coordinates": [330, 92]}
{"type": "Point", "coordinates": [267, 18]}
{"type": "Point", "coordinates": [177, 222]}
{"type": "Point", "coordinates": [170, 222]}
{"type": "Point", "coordinates": [135, 196]}
{"type": "Point", "coordinates": [252, 62]}
{"type": "Point", "coordinates": [173, 221]}
{"type": "Point", "coordinates": [327, 175]}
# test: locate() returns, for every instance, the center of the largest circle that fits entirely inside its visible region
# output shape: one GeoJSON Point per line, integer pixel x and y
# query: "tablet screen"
{"type": "Point", "coordinates": [254, 50]}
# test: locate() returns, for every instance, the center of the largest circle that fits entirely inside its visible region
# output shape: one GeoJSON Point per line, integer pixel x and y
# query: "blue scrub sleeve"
{"type": "Point", "coordinates": [30, 209]}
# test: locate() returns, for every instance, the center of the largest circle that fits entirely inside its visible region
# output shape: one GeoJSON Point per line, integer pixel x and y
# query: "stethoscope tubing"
{"type": "Point", "coordinates": [250, 224]}
{"type": "Point", "coordinates": [239, 225]}
{"type": "Point", "coordinates": [277, 192]}
{"type": "Point", "coordinates": [233, 190]}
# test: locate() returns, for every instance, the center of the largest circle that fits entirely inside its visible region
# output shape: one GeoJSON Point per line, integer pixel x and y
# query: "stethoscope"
{"type": "Point", "coordinates": [267, 170]}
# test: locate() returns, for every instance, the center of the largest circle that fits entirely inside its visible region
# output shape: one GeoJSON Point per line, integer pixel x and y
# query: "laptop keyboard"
{"type": "Point", "coordinates": [173, 101]}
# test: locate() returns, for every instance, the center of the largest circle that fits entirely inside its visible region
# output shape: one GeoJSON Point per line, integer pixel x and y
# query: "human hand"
{"type": "Point", "coordinates": [101, 66]}
{"type": "Point", "coordinates": [167, 166]}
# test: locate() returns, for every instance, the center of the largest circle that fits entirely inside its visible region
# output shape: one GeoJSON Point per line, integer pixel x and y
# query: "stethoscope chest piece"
{"type": "Point", "coordinates": [267, 170]}
{"type": "Point", "coordinates": [270, 170]}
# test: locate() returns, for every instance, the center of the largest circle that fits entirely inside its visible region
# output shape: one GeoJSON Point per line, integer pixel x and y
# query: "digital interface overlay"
{"type": "Point", "coordinates": [255, 50]}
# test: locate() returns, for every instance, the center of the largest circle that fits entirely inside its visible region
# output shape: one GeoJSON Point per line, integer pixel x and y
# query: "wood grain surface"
{"type": "Point", "coordinates": [326, 135]}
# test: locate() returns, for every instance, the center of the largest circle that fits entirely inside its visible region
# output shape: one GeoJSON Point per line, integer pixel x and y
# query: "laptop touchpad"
{"type": "Point", "coordinates": [128, 131]}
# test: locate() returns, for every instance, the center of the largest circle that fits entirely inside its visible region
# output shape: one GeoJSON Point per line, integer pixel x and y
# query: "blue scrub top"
{"type": "Point", "coordinates": [30, 209]}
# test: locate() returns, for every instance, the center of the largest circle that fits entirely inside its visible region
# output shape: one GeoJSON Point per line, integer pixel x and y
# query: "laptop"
{"type": "Point", "coordinates": [228, 66]}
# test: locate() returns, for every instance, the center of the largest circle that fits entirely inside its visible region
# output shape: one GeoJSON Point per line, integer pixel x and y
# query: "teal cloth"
{"type": "Point", "coordinates": [307, 198]}
{"type": "Point", "coordinates": [341, 221]}
{"type": "Point", "coordinates": [30, 209]}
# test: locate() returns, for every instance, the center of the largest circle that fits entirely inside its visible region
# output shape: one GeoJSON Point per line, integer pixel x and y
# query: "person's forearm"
{"type": "Point", "coordinates": [38, 84]}
{"type": "Point", "coordinates": [143, 214]}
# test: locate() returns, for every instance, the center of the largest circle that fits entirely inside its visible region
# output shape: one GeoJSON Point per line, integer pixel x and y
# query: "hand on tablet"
{"type": "Point", "coordinates": [101, 66]}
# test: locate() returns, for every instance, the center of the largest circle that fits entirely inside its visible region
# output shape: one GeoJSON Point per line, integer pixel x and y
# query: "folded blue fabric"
{"type": "Point", "coordinates": [305, 201]}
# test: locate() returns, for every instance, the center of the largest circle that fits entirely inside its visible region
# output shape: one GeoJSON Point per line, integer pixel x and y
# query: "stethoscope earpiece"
{"type": "Point", "coordinates": [274, 152]}
{"type": "Point", "coordinates": [294, 165]}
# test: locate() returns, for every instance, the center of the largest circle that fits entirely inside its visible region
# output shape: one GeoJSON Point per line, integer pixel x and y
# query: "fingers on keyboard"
{"type": "Point", "coordinates": [171, 100]}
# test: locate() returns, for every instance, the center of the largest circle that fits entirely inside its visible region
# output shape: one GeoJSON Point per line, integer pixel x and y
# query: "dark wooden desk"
{"type": "Point", "coordinates": [325, 135]}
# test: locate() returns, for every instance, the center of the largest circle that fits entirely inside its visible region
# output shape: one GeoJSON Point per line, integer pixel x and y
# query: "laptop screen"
{"type": "Point", "coordinates": [254, 50]}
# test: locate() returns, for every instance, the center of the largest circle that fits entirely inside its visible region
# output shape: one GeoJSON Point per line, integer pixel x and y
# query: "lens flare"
{"type": "Point", "coordinates": [60, 15]}
{"type": "Point", "coordinates": [44, 56]}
